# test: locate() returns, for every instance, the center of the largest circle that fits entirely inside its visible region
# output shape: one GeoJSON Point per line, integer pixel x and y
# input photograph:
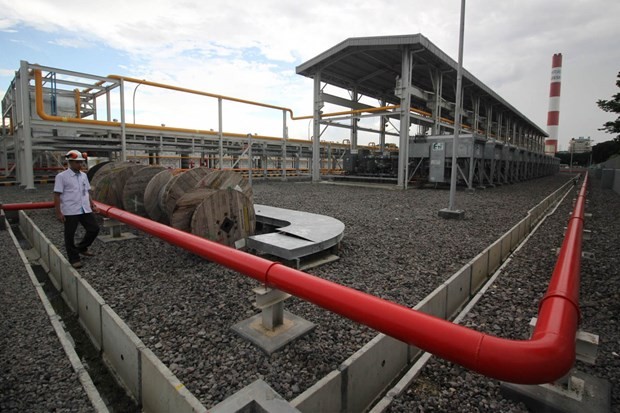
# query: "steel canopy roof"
{"type": "Point", "coordinates": [371, 65]}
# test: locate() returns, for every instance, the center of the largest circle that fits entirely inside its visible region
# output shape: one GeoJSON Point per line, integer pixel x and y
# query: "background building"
{"type": "Point", "coordinates": [580, 145]}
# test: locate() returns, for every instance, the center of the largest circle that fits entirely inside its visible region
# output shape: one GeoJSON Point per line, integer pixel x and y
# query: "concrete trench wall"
{"type": "Point", "coordinates": [98, 405]}
{"type": "Point", "coordinates": [357, 383]}
{"type": "Point", "coordinates": [610, 179]}
{"type": "Point", "coordinates": [360, 380]}
{"type": "Point", "coordinates": [139, 371]}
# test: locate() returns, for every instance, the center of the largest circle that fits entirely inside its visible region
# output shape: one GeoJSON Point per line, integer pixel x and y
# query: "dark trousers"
{"type": "Point", "coordinates": [91, 226]}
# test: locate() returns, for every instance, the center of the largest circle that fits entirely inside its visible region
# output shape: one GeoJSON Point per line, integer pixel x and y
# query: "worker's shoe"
{"type": "Point", "coordinates": [87, 253]}
{"type": "Point", "coordinates": [76, 264]}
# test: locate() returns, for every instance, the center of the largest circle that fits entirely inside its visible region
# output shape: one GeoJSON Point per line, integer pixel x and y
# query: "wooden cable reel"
{"type": "Point", "coordinates": [184, 208]}
{"type": "Point", "coordinates": [100, 171]}
{"type": "Point", "coordinates": [108, 184]}
{"type": "Point", "coordinates": [216, 206]}
{"type": "Point", "coordinates": [92, 171]}
{"type": "Point", "coordinates": [224, 216]}
{"type": "Point", "coordinates": [226, 179]}
{"type": "Point", "coordinates": [181, 184]}
{"type": "Point", "coordinates": [163, 194]}
{"type": "Point", "coordinates": [135, 187]}
{"type": "Point", "coordinates": [153, 193]}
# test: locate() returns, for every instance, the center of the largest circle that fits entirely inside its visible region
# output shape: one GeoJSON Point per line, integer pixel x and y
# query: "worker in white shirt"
{"type": "Point", "coordinates": [74, 206]}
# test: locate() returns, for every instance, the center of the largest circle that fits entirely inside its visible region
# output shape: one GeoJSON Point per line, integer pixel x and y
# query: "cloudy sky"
{"type": "Point", "coordinates": [250, 50]}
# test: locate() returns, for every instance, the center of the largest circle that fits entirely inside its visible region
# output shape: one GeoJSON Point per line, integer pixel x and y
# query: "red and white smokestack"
{"type": "Point", "coordinates": [553, 116]}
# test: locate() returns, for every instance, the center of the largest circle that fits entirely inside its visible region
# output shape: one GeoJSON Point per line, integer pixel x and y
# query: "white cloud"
{"type": "Point", "coordinates": [250, 49]}
{"type": "Point", "coordinates": [74, 43]}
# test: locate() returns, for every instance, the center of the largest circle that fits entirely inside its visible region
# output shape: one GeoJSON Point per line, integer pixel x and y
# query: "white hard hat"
{"type": "Point", "coordinates": [74, 155]}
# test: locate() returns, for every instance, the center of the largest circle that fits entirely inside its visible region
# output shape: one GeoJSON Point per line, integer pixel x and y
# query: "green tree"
{"type": "Point", "coordinates": [579, 159]}
{"type": "Point", "coordinates": [605, 150]}
{"type": "Point", "coordinates": [613, 106]}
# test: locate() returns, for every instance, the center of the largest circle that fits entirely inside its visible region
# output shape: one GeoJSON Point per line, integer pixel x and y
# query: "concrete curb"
{"type": "Point", "coordinates": [148, 381]}
{"type": "Point", "coordinates": [74, 359]}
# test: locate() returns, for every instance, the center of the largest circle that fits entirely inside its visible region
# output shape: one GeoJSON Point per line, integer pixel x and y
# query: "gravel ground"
{"type": "Point", "coordinates": [513, 300]}
{"type": "Point", "coordinates": [395, 247]}
{"type": "Point", "coordinates": [35, 373]}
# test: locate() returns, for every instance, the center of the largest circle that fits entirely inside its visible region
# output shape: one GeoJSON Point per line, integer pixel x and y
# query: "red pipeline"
{"type": "Point", "coordinates": [547, 356]}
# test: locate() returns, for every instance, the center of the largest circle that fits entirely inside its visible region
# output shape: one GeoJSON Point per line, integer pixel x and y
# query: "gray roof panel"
{"type": "Point", "coordinates": [371, 65]}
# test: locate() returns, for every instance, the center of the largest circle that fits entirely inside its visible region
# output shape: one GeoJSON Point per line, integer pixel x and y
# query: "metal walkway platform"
{"type": "Point", "coordinates": [298, 234]}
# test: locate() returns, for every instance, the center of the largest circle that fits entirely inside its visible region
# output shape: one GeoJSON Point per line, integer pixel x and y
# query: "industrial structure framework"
{"type": "Point", "coordinates": [415, 83]}
{"type": "Point", "coordinates": [408, 76]}
{"type": "Point", "coordinates": [545, 357]}
{"type": "Point", "coordinates": [47, 111]}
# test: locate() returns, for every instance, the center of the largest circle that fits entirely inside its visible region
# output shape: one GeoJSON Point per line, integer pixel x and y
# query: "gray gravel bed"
{"type": "Point", "coordinates": [395, 247]}
{"type": "Point", "coordinates": [35, 373]}
{"type": "Point", "coordinates": [513, 300]}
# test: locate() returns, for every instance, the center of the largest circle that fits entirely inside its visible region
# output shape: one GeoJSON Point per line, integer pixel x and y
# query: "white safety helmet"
{"type": "Point", "coordinates": [74, 155]}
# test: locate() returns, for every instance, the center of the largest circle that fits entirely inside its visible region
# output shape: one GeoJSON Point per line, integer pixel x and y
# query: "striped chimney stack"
{"type": "Point", "coordinates": [553, 116]}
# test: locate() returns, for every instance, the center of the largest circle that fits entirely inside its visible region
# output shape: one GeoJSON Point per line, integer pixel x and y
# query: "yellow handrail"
{"type": "Point", "coordinates": [43, 115]}
{"type": "Point", "coordinates": [201, 93]}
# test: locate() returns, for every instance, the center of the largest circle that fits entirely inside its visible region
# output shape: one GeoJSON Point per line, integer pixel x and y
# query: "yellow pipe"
{"type": "Point", "coordinates": [45, 116]}
{"type": "Point", "coordinates": [201, 93]}
{"type": "Point", "coordinates": [41, 112]}
{"type": "Point", "coordinates": [99, 83]}
{"type": "Point", "coordinates": [415, 110]}
{"type": "Point", "coordinates": [249, 102]}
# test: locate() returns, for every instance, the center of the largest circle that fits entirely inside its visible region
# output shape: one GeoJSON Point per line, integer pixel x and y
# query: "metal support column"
{"type": "Point", "coordinates": [541, 144]}
{"type": "Point", "coordinates": [499, 128]}
{"type": "Point", "coordinates": [515, 137]}
{"type": "Point", "coordinates": [284, 139]}
{"type": "Point", "coordinates": [108, 106]}
{"type": "Point", "coordinates": [476, 102]}
{"type": "Point", "coordinates": [202, 151]}
{"type": "Point", "coordinates": [329, 158]}
{"type": "Point", "coordinates": [161, 149]}
{"type": "Point", "coordinates": [354, 119]}
{"type": "Point", "coordinates": [265, 161]}
{"type": "Point", "coordinates": [437, 77]}
{"type": "Point", "coordinates": [18, 136]}
{"type": "Point", "coordinates": [123, 125]}
{"type": "Point", "coordinates": [5, 156]}
{"type": "Point", "coordinates": [383, 121]}
{"type": "Point", "coordinates": [451, 211]}
{"type": "Point", "coordinates": [509, 137]}
{"type": "Point", "coordinates": [316, 129]}
{"type": "Point", "coordinates": [404, 92]}
{"type": "Point", "coordinates": [472, 168]}
{"type": "Point", "coordinates": [250, 159]}
{"type": "Point", "coordinates": [489, 127]}
{"type": "Point", "coordinates": [27, 173]}
{"type": "Point", "coordinates": [220, 133]}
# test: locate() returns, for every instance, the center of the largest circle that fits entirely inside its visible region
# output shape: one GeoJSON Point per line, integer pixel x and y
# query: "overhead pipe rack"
{"type": "Point", "coordinates": [114, 135]}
